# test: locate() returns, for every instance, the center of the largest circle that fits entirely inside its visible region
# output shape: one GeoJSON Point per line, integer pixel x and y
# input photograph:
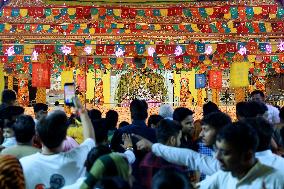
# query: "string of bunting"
{"type": "Point", "coordinates": [225, 27]}
{"type": "Point", "coordinates": [117, 13]}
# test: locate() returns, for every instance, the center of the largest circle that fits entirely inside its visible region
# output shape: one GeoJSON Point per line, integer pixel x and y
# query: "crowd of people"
{"type": "Point", "coordinates": [164, 151]}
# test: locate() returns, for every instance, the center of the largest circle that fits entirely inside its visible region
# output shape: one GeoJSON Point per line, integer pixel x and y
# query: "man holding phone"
{"type": "Point", "coordinates": [53, 168]}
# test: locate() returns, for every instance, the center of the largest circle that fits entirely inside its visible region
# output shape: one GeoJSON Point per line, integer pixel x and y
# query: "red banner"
{"type": "Point", "coordinates": [215, 79]}
{"type": "Point", "coordinates": [41, 75]}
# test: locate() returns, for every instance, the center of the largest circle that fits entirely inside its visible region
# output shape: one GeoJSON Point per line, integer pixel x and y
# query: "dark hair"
{"type": "Point", "coordinates": [115, 182]}
{"type": "Point", "coordinates": [281, 113]}
{"type": "Point", "coordinates": [170, 178]}
{"type": "Point", "coordinates": [256, 92]}
{"type": "Point", "coordinates": [255, 109]}
{"type": "Point", "coordinates": [40, 106]}
{"type": "Point", "coordinates": [24, 128]}
{"type": "Point", "coordinates": [8, 96]}
{"type": "Point", "coordinates": [123, 124]}
{"type": "Point", "coordinates": [264, 131]}
{"type": "Point", "coordinates": [56, 103]}
{"type": "Point", "coordinates": [240, 135]}
{"type": "Point", "coordinates": [95, 114]}
{"type": "Point", "coordinates": [94, 154]}
{"type": "Point", "coordinates": [154, 119]}
{"type": "Point", "coordinates": [112, 119]}
{"type": "Point", "coordinates": [138, 109]}
{"type": "Point", "coordinates": [101, 131]}
{"type": "Point", "coordinates": [52, 129]}
{"type": "Point", "coordinates": [167, 128]}
{"type": "Point", "coordinates": [242, 109]}
{"type": "Point", "coordinates": [181, 113]}
{"type": "Point", "coordinates": [210, 107]}
{"type": "Point", "coordinates": [216, 120]}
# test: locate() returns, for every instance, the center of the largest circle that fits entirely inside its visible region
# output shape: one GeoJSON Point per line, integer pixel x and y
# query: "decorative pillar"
{"type": "Point", "coordinates": [215, 96]}
{"type": "Point", "coordinates": [10, 82]}
{"type": "Point", "coordinates": [2, 83]}
{"type": "Point", "coordinates": [106, 88]}
{"type": "Point", "coordinates": [199, 97]}
{"type": "Point", "coordinates": [41, 95]}
{"type": "Point", "coordinates": [240, 94]}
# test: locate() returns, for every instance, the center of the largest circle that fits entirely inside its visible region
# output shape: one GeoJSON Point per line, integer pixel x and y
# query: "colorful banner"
{"type": "Point", "coordinates": [200, 81]}
{"type": "Point", "coordinates": [215, 79]}
{"type": "Point", "coordinates": [40, 75]}
{"type": "Point", "coordinates": [239, 74]}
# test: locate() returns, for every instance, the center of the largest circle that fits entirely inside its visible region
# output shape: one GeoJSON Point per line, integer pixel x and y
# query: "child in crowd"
{"type": "Point", "coordinates": [9, 136]}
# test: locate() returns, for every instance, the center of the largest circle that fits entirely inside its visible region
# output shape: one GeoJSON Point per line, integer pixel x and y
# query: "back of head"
{"type": "Point", "coordinates": [167, 128]}
{"type": "Point", "coordinates": [257, 92]}
{"type": "Point", "coordinates": [255, 108]}
{"type": "Point", "coordinates": [166, 111]}
{"type": "Point", "coordinates": [123, 124]}
{"type": "Point", "coordinates": [52, 129]}
{"type": "Point", "coordinates": [216, 120]}
{"type": "Point", "coordinates": [11, 112]}
{"type": "Point", "coordinates": [112, 119]}
{"type": "Point", "coordinates": [108, 165]}
{"type": "Point", "coordinates": [95, 114]}
{"type": "Point", "coordinates": [24, 129]}
{"type": "Point", "coordinates": [101, 130]}
{"type": "Point", "coordinates": [56, 103]}
{"type": "Point", "coordinates": [11, 173]}
{"type": "Point", "coordinates": [181, 113]}
{"type": "Point", "coordinates": [40, 107]}
{"type": "Point", "coordinates": [94, 154]}
{"type": "Point", "coordinates": [242, 110]}
{"type": "Point", "coordinates": [139, 109]}
{"type": "Point", "coordinates": [240, 135]}
{"type": "Point", "coordinates": [210, 107]}
{"type": "Point", "coordinates": [264, 131]}
{"type": "Point", "coordinates": [8, 97]}
{"type": "Point", "coordinates": [170, 178]}
{"type": "Point", "coordinates": [154, 120]}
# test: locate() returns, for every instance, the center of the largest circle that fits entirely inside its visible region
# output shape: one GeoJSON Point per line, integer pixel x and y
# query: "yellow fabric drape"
{"type": "Point", "coordinates": [90, 85]}
{"type": "Point", "coordinates": [215, 96]}
{"type": "Point", "coordinates": [239, 74]}
{"type": "Point", "coordinates": [66, 77]}
{"type": "Point", "coordinates": [240, 94]}
{"type": "Point", "coordinates": [41, 95]}
{"type": "Point", "coordinates": [106, 88]}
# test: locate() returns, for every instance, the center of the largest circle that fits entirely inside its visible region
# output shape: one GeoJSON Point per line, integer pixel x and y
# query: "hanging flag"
{"type": "Point", "coordinates": [239, 74]}
{"type": "Point", "coordinates": [215, 79]}
{"type": "Point", "coordinates": [200, 81]}
{"type": "Point", "coordinates": [40, 75]}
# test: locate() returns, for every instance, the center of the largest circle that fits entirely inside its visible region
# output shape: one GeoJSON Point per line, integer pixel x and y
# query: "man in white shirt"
{"type": "Point", "coordinates": [53, 168]}
{"type": "Point", "coordinates": [209, 165]}
{"type": "Point", "coordinates": [236, 145]}
{"type": "Point", "coordinates": [273, 112]}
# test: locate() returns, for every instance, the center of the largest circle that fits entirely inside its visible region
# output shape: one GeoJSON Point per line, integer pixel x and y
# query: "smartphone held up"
{"type": "Point", "coordinates": [69, 94]}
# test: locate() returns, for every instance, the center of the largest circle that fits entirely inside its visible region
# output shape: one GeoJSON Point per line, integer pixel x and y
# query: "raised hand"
{"type": "Point", "coordinates": [143, 143]}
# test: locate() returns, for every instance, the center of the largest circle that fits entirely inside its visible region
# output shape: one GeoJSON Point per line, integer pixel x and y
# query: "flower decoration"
{"type": "Point", "coordinates": [178, 51]}
{"type": "Point", "coordinates": [208, 50]}
{"type": "Point", "coordinates": [65, 50]}
{"type": "Point", "coordinates": [243, 50]}
{"type": "Point", "coordinates": [281, 46]}
{"type": "Point", "coordinates": [88, 50]}
{"type": "Point", "coordinates": [10, 51]}
{"type": "Point", "coordinates": [151, 51]}
{"type": "Point", "coordinates": [268, 48]}
{"type": "Point", "coordinates": [119, 52]}
{"type": "Point", "coordinates": [34, 55]}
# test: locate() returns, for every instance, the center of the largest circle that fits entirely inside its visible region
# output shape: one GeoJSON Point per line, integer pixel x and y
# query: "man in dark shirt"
{"type": "Point", "coordinates": [168, 133]}
{"type": "Point", "coordinates": [139, 114]}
